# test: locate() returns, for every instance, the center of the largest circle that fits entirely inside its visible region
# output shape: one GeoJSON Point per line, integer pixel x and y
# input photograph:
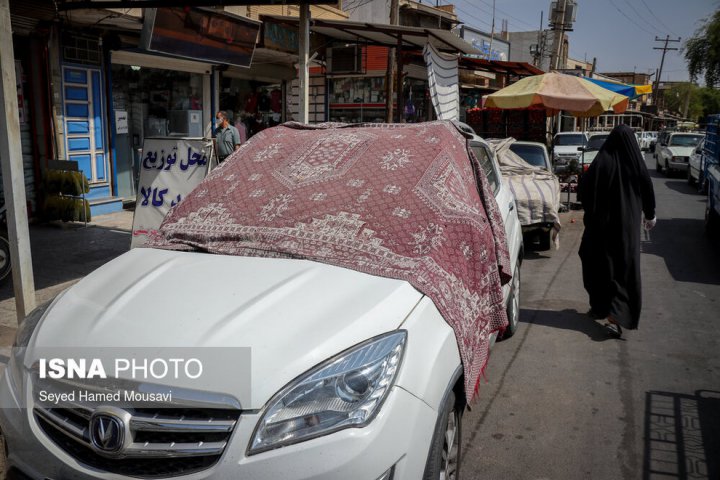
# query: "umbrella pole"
{"type": "Point", "coordinates": [582, 160]}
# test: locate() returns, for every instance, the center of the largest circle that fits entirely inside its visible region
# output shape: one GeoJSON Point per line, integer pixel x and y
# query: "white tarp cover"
{"type": "Point", "coordinates": [443, 81]}
{"type": "Point", "coordinates": [536, 190]}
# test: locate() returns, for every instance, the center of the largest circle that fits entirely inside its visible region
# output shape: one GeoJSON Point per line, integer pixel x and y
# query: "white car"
{"type": "Point", "coordinates": [696, 166]}
{"type": "Point", "coordinates": [646, 138]}
{"type": "Point", "coordinates": [540, 234]}
{"type": "Point", "coordinates": [565, 149]}
{"type": "Point", "coordinates": [591, 149]}
{"type": "Point", "coordinates": [319, 336]}
{"type": "Point", "coordinates": [673, 153]}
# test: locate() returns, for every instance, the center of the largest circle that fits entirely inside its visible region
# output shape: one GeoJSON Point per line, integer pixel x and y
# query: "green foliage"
{"type": "Point", "coordinates": [703, 101]}
{"type": "Point", "coordinates": [702, 51]}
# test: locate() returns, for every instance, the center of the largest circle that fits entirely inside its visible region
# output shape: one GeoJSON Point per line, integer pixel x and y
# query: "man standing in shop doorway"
{"type": "Point", "coordinates": [227, 137]}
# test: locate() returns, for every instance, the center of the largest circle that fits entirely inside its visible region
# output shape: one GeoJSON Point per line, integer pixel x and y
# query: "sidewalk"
{"type": "Point", "coordinates": [63, 253]}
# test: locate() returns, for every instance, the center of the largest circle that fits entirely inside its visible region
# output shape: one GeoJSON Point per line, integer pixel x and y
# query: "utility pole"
{"type": "Point", "coordinates": [557, 25]}
{"type": "Point", "coordinates": [665, 48]}
{"type": "Point", "coordinates": [391, 65]}
{"type": "Point", "coordinates": [304, 67]}
{"type": "Point", "coordinates": [492, 32]}
{"type": "Point", "coordinates": [11, 164]}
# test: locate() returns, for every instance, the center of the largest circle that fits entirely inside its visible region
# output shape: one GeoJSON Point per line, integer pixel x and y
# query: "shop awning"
{"type": "Point", "coordinates": [383, 34]}
{"type": "Point", "coordinates": [631, 91]}
{"type": "Point", "coordinates": [521, 69]}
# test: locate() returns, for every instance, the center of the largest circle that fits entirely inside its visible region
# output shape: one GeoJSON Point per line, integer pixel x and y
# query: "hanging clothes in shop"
{"type": "Point", "coordinates": [276, 100]}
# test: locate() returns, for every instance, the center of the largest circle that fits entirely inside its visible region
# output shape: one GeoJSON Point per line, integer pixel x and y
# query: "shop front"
{"type": "Point", "coordinates": [253, 102]}
{"type": "Point", "coordinates": [362, 97]}
{"type": "Point", "coordinates": [154, 96]}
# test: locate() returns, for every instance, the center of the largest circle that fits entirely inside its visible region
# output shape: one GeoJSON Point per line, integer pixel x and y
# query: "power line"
{"type": "Point", "coordinates": [511, 16]}
{"type": "Point", "coordinates": [658, 18]}
{"type": "Point", "coordinates": [478, 6]}
{"type": "Point", "coordinates": [654, 27]}
{"type": "Point", "coordinates": [472, 16]}
{"type": "Point", "coordinates": [630, 19]}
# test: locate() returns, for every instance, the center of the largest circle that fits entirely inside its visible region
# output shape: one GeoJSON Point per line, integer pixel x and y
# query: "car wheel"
{"type": "Point", "coordinates": [667, 169]}
{"type": "Point", "coordinates": [513, 304]}
{"type": "Point", "coordinates": [658, 168]}
{"type": "Point", "coordinates": [5, 265]}
{"type": "Point", "coordinates": [690, 178]}
{"type": "Point", "coordinates": [444, 460]}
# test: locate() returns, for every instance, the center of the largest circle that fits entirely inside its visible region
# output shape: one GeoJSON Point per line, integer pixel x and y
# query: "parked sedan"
{"type": "Point", "coordinates": [565, 149]}
{"type": "Point", "coordinates": [315, 251]}
{"type": "Point", "coordinates": [536, 190]}
{"type": "Point", "coordinates": [675, 150]}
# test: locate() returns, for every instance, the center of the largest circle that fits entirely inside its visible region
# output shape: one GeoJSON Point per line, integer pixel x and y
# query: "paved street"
{"type": "Point", "coordinates": [62, 254]}
{"type": "Point", "coordinates": [563, 401]}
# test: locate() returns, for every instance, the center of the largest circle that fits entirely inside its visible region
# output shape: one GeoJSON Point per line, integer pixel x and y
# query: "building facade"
{"type": "Point", "coordinates": [91, 90]}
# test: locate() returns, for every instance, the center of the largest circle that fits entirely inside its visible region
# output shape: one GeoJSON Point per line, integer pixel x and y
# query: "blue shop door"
{"type": "Point", "coordinates": [84, 102]}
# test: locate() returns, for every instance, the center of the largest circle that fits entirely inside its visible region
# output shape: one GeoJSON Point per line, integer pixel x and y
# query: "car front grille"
{"type": "Point", "coordinates": [164, 441]}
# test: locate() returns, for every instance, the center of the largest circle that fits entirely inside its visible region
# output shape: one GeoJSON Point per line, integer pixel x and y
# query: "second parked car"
{"type": "Point", "coordinates": [673, 153]}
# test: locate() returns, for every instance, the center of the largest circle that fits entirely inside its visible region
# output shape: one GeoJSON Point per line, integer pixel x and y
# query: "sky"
{"type": "Point", "coordinates": [619, 33]}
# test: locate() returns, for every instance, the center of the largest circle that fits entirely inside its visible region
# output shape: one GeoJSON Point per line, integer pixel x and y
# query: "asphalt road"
{"type": "Point", "coordinates": [565, 401]}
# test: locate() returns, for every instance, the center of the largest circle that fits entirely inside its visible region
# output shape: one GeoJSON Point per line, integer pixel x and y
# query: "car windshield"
{"type": "Point", "coordinates": [595, 142]}
{"type": "Point", "coordinates": [578, 139]}
{"type": "Point", "coordinates": [532, 154]}
{"type": "Point", "coordinates": [685, 140]}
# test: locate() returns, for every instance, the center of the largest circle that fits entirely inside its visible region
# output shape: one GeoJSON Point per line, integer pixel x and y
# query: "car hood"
{"type": "Point", "coordinates": [681, 151]}
{"type": "Point", "coordinates": [293, 314]}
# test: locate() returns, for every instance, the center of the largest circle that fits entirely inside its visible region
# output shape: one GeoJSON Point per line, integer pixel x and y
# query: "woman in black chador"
{"type": "Point", "coordinates": [614, 191]}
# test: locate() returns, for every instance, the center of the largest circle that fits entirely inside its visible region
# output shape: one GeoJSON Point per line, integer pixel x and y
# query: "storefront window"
{"type": "Point", "coordinates": [150, 102]}
{"type": "Point", "coordinates": [416, 99]}
{"type": "Point", "coordinates": [158, 102]}
{"type": "Point", "coordinates": [251, 105]}
{"type": "Point", "coordinates": [357, 99]}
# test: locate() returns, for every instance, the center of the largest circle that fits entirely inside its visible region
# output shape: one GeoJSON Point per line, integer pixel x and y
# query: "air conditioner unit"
{"type": "Point", "coordinates": [346, 59]}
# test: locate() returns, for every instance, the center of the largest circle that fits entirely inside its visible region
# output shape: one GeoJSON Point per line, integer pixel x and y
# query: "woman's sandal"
{"type": "Point", "coordinates": [613, 329]}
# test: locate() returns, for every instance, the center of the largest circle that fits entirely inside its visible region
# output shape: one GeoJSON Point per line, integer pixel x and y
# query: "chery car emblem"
{"type": "Point", "coordinates": [107, 432]}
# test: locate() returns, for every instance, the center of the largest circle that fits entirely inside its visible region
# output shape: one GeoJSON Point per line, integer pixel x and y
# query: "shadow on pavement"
{"type": "Point", "coordinates": [682, 435]}
{"type": "Point", "coordinates": [681, 186]}
{"type": "Point", "coordinates": [689, 255]}
{"type": "Point", "coordinates": [537, 255]}
{"type": "Point", "coordinates": [69, 252]}
{"type": "Point", "coordinates": [568, 319]}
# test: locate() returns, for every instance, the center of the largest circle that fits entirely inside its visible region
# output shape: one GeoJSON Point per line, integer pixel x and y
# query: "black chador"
{"type": "Point", "coordinates": [614, 192]}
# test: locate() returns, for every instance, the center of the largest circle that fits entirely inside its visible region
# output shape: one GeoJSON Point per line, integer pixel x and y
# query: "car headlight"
{"type": "Point", "coordinates": [27, 327]}
{"type": "Point", "coordinates": [22, 339]}
{"type": "Point", "coordinates": [344, 391]}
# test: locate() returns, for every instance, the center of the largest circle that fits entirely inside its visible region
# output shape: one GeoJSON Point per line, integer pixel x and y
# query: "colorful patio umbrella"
{"type": "Point", "coordinates": [556, 92]}
{"type": "Point", "coordinates": [631, 91]}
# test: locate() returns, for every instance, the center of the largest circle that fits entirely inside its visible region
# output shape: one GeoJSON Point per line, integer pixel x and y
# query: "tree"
{"type": "Point", "coordinates": [681, 96]}
{"type": "Point", "coordinates": [702, 51]}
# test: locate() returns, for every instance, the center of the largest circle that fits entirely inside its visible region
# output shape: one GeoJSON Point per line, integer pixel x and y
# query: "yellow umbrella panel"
{"type": "Point", "coordinates": [556, 92]}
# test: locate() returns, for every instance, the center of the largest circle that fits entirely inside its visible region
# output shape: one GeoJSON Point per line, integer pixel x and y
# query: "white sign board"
{"type": "Point", "coordinates": [491, 48]}
{"type": "Point", "coordinates": [170, 169]}
{"type": "Point", "coordinates": [121, 121]}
